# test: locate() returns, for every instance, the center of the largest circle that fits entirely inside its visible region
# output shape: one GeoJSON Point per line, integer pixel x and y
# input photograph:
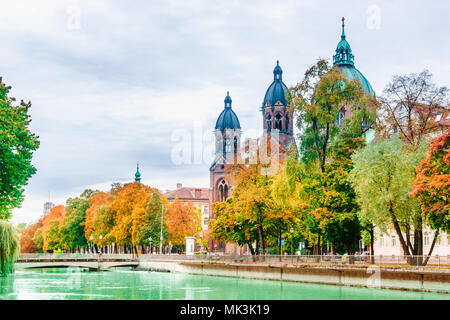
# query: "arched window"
{"type": "Point", "coordinates": [223, 191]}
{"type": "Point", "coordinates": [269, 122]}
{"type": "Point", "coordinates": [228, 145]}
{"type": "Point", "coordinates": [340, 117]}
{"type": "Point", "coordinates": [287, 123]}
{"type": "Point", "coordinates": [278, 121]}
{"type": "Point", "coordinates": [235, 145]}
{"type": "Point", "coordinates": [220, 193]}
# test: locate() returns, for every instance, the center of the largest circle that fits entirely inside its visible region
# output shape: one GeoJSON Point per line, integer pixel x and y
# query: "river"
{"type": "Point", "coordinates": [125, 284]}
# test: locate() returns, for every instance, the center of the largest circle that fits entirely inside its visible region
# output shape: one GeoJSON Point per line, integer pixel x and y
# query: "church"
{"type": "Point", "coordinates": [278, 125]}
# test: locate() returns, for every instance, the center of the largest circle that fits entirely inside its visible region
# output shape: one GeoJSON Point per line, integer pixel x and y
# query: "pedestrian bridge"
{"type": "Point", "coordinates": [90, 261]}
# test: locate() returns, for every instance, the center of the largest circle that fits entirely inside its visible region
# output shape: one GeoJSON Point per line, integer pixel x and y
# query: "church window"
{"type": "Point", "coordinates": [228, 145]}
{"type": "Point", "coordinates": [269, 122]}
{"type": "Point", "coordinates": [287, 123]}
{"type": "Point", "coordinates": [278, 122]}
{"type": "Point", "coordinates": [235, 145]}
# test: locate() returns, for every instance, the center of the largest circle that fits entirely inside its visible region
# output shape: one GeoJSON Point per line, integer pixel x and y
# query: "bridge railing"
{"type": "Point", "coordinates": [434, 261]}
{"type": "Point", "coordinates": [32, 257]}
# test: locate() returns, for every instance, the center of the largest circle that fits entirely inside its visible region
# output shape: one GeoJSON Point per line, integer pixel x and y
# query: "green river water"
{"type": "Point", "coordinates": [44, 284]}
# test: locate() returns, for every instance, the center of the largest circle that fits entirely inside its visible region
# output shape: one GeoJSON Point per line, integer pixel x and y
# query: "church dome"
{"type": "Point", "coordinates": [227, 118]}
{"type": "Point", "coordinates": [277, 90]}
{"type": "Point", "coordinates": [352, 73]}
{"type": "Point", "coordinates": [344, 60]}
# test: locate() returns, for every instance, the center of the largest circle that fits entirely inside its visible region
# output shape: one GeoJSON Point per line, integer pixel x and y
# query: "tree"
{"type": "Point", "coordinates": [318, 99]}
{"type": "Point", "coordinates": [182, 221]}
{"type": "Point", "coordinates": [16, 150]}
{"type": "Point", "coordinates": [50, 228]}
{"type": "Point", "coordinates": [432, 186]}
{"type": "Point", "coordinates": [128, 208]}
{"type": "Point", "coordinates": [94, 226]}
{"type": "Point", "coordinates": [408, 105]}
{"type": "Point", "coordinates": [27, 244]}
{"type": "Point", "coordinates": [72, 227]}
{"type": "Point", "coordinates": [228, 226]}
{"type": "Point", "coordinates": [382, 177]}
{"type": "Point", "coordinates": [151, 226]}
{"type": "Point", "coordinates": [9, 247]}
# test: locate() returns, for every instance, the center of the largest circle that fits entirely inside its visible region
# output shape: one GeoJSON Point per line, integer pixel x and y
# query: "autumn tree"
{"type": "Point", "coordinates": [50, 228]}
{"type": "Point", "coordinates": [151, 226]}
{"type": "Point", "coordinates": [27, 244]}
{"type": "Point", "coordinates": [128, 207]}
{"type": "Point", "coordinates": [16, 151]}
{"type": "Point", "coordinates": [72, 227]}
{"type": "Point", "coordinates": [317, 101]}
{"type": "Point", "coordinates": [229, 226]}
{"type": "Point", "coordinates": [432, 186]}
{"type": "Point", "coordinates": [382, 177]}
{"type": "Point", "coordinates": [96, 203]}
{"type": "Point", "coordinates": [408, 105]}
{"type": "Point", "coordinates": [182, 221]}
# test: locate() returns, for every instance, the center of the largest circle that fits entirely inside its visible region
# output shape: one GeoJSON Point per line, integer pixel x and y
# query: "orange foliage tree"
{"type": "Point", "coordinates": [432, 185]}
{"type": "Point", "coordinates": [27, 244]}
{"type": "Point", "coordinates": [95, 224]}
{"type": "Point", "coordinates": [129, 206]}
{"type": "Point", "coordinates": [50, 224]}
{"type": "Point", "coordinates": [182, 221]}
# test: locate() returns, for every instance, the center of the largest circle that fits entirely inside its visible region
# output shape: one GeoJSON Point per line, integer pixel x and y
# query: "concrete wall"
{"type": "Point", "coordinates": [372, 276]}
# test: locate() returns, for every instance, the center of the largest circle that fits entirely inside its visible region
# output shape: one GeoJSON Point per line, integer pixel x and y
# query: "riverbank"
{"type": "Point", "coordinates": [429, 280]}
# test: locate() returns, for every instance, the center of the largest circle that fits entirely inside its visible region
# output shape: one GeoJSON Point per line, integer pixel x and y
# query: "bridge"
{"type": "Point", "coordinates": [89, 261]}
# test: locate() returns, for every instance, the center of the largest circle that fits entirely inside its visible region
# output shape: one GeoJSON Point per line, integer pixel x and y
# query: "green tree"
{"type": "Point", "coordinates": [53, 236]}
{"type": "Point", "coordinates": [38, 239]}
{"type": "Point", "coordinates": [318, 99]}
{"type": "Point", "coordinates": [151, 228]}
{"type": "Point", "coordinates": [9, 247]}
{"type": "Point", "coordinates": [382, 177]}
{"type": "Point", "coordinates": [16, 150]}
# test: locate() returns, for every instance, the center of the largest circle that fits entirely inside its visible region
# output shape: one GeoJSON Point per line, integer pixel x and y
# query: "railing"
{"type": "Point", "coordinates": [42, 257]}
{"type": "Point", "coordinates": [434, 261]}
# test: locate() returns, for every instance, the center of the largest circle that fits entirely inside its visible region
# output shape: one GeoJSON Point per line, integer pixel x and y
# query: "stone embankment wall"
{"type": "Point", "coordinates": [371, 276]}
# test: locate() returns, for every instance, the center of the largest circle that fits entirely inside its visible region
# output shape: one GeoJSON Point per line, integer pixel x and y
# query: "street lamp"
{"type": "Point", "coordinates": [161, 239]}
{"type": "Point", "coordinates": [92, 247]}
{"type": "Point", "coordinates": [101, 247]}
{"type": "Point", "coordinates": [292, 240]}
{"type": "Point", "coordinates": [150, 242]}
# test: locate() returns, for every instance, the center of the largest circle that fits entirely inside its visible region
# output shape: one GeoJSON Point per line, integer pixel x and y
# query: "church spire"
{"type": "Point", "coordinates": [343, 54]}
{"type": "Point", "coordinates": [137, 175]}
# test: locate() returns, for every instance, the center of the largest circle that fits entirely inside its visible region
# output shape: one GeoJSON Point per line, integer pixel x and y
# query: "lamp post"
{"type": "Point", "coordinates": [92, 248]}
{"type": "Point", "coordinates": [161, 239]}
{"type": "Point", "coordinates": [292, 240]}
{"type": "Point", "coordinates": [101, 247]}
{"type": "Point", "coordinates": [150, 242]}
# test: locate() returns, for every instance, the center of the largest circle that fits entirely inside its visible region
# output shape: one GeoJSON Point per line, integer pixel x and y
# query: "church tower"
{"type": "Point", "coordinates": [344, 60]}
{"type": "Point", "coordinates": [137, 175]}
{"type": "Point", "coordinates": [227, 141]}
{"type": "Point", "coordinates": [277, 116]}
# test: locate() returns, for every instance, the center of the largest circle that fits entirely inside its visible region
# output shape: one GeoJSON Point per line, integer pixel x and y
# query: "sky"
{"type": "Point", "coordinates": [117, 82]}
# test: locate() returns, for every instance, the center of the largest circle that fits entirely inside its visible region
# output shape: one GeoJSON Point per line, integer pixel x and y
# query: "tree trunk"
{"type": "Point", "coordinates": [261, 240]}
{"type": "Point", "coordinates": [436, 235]}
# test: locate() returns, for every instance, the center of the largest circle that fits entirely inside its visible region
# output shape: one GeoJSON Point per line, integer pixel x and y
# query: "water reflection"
{"type": "Point", "coordinates": [76, 283]}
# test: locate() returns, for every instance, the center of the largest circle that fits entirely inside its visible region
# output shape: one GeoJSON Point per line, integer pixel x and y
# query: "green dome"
{"type": "Point", "coordinates": [137, 175]}
{"type": "Point", "coordinates": [344, 60]}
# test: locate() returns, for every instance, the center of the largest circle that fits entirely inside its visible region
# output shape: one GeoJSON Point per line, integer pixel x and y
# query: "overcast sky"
{"type": "Point", "coordinates": [111, 82]}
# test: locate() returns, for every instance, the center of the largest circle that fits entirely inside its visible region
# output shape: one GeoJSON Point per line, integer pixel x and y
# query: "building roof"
{"type": "Point", "coordinates": [187, 193]}
{"type": "Point", "coordinates": [277, 90]}
{"type": "Point", "coordinates": [227, 118]}
{"type": "Point", "coordinates": [345, 61]}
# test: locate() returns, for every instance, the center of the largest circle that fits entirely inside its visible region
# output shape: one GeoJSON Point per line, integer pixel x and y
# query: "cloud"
{"type": "Point", "coordinates": [110, 81]}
